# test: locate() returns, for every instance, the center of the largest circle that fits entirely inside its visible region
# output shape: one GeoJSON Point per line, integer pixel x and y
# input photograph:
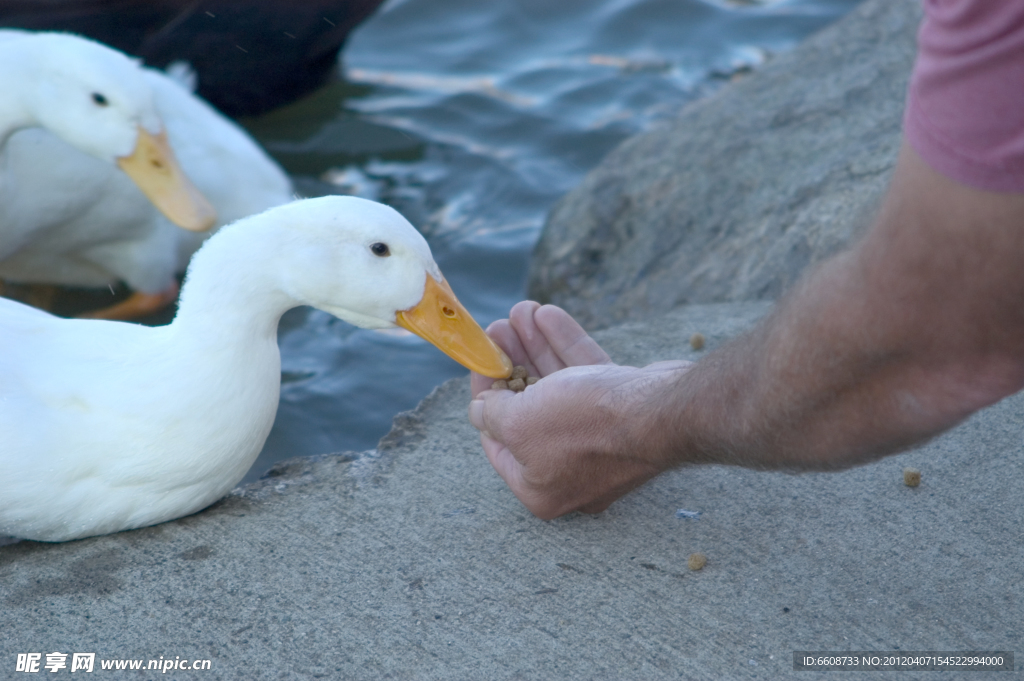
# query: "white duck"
{"type": "Point", "coordinates": [67, 214]}
{"type": "Point", "coordinates": [110, 426]}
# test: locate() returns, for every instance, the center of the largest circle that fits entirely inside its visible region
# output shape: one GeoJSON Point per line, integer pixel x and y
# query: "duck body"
{"type": "Point", "coordinates": [68, 217]}
{"type": "Point", "coordinates": [95, 448]}
{"type": "Point", "coordinates": [110, 426]}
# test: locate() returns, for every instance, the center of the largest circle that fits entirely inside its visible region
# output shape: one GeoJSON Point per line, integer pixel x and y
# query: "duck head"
{"type": "Point", "coordinates": [96, 99]}
{"type": "Point", "coordinates": [366, 264]}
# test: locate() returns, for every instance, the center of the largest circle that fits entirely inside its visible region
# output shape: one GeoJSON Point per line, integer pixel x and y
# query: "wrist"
{"type": "Point", "coordinates": [645, 411]}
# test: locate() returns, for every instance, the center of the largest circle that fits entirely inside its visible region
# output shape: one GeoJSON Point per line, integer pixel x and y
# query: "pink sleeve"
{"type": "Point", "coordinates": [965, 105]}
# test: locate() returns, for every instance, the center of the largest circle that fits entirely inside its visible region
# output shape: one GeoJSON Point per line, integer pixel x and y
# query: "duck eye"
{"type": "Point", "coordinates": [380, 249]}
{"type": "Point", "coordinates": [99, 99]}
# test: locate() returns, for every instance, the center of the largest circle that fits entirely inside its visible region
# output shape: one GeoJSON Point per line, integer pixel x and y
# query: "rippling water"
{"type": "Point", "coordinates": [472, 117]}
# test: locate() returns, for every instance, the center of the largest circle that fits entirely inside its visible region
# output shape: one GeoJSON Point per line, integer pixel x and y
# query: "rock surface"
{"type": "Point", "coordinates": [737, 196]}
{"type": "Point", "coordinates": [416, 562]}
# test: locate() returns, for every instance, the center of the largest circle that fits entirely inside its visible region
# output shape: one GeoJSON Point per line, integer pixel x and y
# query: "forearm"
{"type": "Point", "coordinates": [806, 389]}
{"type": "Point", "coordinates": [880, 348]}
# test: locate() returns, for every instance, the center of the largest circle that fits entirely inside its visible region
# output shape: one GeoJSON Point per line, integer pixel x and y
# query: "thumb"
{"type": "Point", "coordinates": [489, 411]}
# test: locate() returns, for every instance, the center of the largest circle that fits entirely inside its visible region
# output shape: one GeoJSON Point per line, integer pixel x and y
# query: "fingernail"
{"type": "Point", "coordinates": [476, 414]}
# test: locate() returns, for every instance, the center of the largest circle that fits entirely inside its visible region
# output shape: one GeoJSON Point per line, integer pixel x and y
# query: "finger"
{"type": "Point", "coordinates": [476, 414]}
{"type": "Point", "coordinates": [508, 337]}
{"type": "Point", "coordinates": [520, 318]}
{"type": "Point", "coordinates": [564, 335]}
{"type": "Point", "coordinates": [535, 343]}
{"type": "Point", "coordinates": [488, 412]}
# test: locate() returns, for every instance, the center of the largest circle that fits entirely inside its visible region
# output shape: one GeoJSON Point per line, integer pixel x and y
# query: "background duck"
{"type": "Point", "coordinates": [110, 426]}
{"type": "Point", "coordinates": [251, 56]}
{"type": "Point", "coordinates": [70, 217]}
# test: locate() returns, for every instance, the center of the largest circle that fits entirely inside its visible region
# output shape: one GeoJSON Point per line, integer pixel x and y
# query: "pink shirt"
{"type": "Point", "coordinates": [965, 105]}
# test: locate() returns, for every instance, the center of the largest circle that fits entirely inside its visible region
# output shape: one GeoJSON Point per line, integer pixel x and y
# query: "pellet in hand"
{"type": "Point", "coordinates": [517, 382]}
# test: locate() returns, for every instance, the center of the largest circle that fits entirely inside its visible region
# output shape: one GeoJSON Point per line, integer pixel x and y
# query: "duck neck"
{"type": "Point", "coordinates": [232, 288]}
{"type": "Point", "coordinates": [15, 77]}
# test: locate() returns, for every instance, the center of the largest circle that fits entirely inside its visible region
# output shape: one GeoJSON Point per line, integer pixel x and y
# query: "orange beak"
{"type": "Point", "coordinates": [153, 168]}
{"type": "Point", "coordinates": [440, 318]}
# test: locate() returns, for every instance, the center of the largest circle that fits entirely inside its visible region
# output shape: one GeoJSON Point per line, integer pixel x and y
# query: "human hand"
{"type": "Point", "coordinates": [575, 439]}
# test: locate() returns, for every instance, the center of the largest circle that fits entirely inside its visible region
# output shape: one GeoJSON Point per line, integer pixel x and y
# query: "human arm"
{"type": "Point", "coordinates": [904, 335]}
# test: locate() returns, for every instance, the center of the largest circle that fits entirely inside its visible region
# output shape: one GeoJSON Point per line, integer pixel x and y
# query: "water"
{"type": "Point", "coordinates": [472, 118]}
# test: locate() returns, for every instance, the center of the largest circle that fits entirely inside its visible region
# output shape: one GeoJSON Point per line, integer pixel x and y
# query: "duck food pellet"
{"type": "Point", "coordinates": [911, 477]}
{"type": "Point", "coordinates": [697, 341]}
{"type": "Point", "coordinates": [696, 561]}
{"type": "Point", "coordinates": [517, 382]}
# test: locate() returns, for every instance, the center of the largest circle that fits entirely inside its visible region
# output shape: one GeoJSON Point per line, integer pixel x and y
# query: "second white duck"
{"type": "Point", "coordinates": [68, 215]}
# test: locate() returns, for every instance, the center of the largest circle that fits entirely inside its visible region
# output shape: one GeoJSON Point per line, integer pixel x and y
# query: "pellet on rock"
{"type": "Point", "coordinates": [911, 477]}
{"type": "Point", "coordinates": [697, 341]}
{"type": "Point", "coordinates": [696, 561]}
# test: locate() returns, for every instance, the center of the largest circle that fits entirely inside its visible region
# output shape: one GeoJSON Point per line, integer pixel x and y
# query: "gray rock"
{"type": "Point", "coordinates": [745, 189]}
{"type": "Point", "coordinates": [416, 562]}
